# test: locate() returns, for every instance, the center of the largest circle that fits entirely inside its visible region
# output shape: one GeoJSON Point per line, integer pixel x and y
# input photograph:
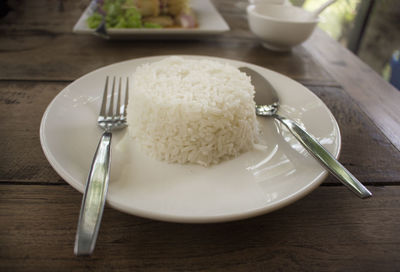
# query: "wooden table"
{"type": "Point", "coordinates": [328, 230]}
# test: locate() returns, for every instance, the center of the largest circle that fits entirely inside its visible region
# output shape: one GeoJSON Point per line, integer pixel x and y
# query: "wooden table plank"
{"type": "Point", "coordinates": [365, 151]}
{"type": "Point", "coordinates": [31, 48]}
{"type": "Point", "coordinates": [376, 97]}
{"type": "Point", "coordinates": [22, 105]}
{"type": "Point", "coordinates": [329, 230]}
{"type": "Point", "coordinates": [67, 57]}
{"type": "Point", "coordinates": [41, 16]}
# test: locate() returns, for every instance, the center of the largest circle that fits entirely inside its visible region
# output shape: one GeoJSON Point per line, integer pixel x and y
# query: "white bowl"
{"type": "Point", "coordinates": [280, 27]}
{"type": "Point", "coordinates": [276, 2]}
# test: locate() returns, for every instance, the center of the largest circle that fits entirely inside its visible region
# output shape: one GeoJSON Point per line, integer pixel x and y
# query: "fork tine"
{"type": "Point", "coordinates": [126, 98]}
{"type": "Point", "coordinates": [104, 102]}
{"type": "Point", "coordinates": [118, 109]}
{"type": "Point", "coordinates": [111, 108]}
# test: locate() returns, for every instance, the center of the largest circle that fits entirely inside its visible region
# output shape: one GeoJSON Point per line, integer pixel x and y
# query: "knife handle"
{"type": "Point", "coordinates": [325, 158]}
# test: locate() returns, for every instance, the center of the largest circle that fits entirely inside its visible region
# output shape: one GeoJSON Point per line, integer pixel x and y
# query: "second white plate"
{"type": "Point", "coordinates": [278, 172]}
{"type": "Point", "coordinates": [209, 20]}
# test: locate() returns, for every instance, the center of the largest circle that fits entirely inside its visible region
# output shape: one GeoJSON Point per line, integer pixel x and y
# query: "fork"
{"type": "Point", "coordinates": [97, 183]}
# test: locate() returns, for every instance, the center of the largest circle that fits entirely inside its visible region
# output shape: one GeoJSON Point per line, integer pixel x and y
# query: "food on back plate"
{"type": "Point", "coordinates": [143, 14]}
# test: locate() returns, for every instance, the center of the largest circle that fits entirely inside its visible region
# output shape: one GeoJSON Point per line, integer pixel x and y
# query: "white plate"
{"type": "Point", "coordinates": [278, 172]}
{"type": "Point", "coordinates": [209, 22]}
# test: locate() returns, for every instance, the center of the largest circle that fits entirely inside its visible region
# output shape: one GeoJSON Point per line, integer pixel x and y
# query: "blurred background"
{"type": "Point", "coordinates": [369, 28]}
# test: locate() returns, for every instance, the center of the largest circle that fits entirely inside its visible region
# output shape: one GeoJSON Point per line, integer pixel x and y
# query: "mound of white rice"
{"type": "Point", "coordinates": [192, 111]}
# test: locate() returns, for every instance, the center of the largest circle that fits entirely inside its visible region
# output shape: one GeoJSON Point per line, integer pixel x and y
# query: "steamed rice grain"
{"type": "Point", "coordinates": [192, 111]}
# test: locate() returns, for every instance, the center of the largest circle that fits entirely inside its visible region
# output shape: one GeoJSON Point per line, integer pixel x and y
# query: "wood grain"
{"type": "Point", "coordinates": [376, 97]}
{"type": "Point", "coordinates": [22, 105]}
{"type": "Point", "coordinates": [67, 56]}
{"type": "Point", "coordinates": [41, 17]}
{"type": "Point", "coordinates": [366, 152]}
{"type": "Point", "coordinates": [329, 230]}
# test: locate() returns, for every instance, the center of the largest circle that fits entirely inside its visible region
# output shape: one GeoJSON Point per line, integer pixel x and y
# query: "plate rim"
{"type": "Point", "coordinates": [179, 218]}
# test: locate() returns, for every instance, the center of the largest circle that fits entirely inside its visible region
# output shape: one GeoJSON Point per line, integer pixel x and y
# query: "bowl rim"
{"type": "Point", "coordinates": [251, 11]}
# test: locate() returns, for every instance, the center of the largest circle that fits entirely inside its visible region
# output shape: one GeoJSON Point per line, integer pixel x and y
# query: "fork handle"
{"type": "Point", "coordinates": [325, 158]}
{"type": "Point", "coordinates": [94, 198]}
